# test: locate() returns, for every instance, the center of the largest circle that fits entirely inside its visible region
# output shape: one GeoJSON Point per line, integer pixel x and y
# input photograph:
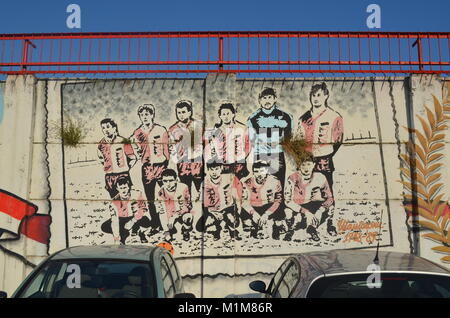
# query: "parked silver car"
{"type": "Point", "coordinates": [354, 274]}
{"type": "Point", "coordinates": [105, 272]}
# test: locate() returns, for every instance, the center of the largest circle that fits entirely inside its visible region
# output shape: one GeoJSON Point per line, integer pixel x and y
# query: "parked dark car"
{"type": "Point", "coordinates": [105, 272]}
{"type": "Point", "coordinates": [345, 274]}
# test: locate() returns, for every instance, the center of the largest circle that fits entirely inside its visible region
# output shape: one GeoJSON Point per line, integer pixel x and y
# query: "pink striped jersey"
{"type": "Point", "coordinates": [221, 195]}
{"type": "Point", "coordinates": [114, 155]}
{"type": "Point", "coordinates": [257, 195]}
{"type": "Point", "coordinates": [321, 132]}
{"type": "Point", "coordinates": [183, 137]}
{"type": "Point", "coordinates": [177, 202]}
{"type": "Point", "coordinates": [135, 205]}
{"type": "Point", "coordinates": [152, 144]}
{"type": "Point", "coordinates": [228, 144]}
{"type": "Point", "coordinates": [301, 192]}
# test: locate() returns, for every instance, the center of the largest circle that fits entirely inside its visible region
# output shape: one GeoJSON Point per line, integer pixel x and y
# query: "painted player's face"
{"type": "Point", "coordinates": [260, 174]}
{"type": "Point", "coordinates": [109, 130]}
{"type": "Point", "coordinates": [146, 117]}
{"type": "Point", "coordinates": [226, 116]}
{"type": "Point", "coordinates": [306, 169]}
{"type": "Point", "coordinates": [183, 114]}
{"type": "Point", "coordinates": [215, 172]}
{"type": "Point", "coordinates": [123, 189]}
{"type": "Point", "coordinates": [267, 101]}
{"type": "Point", "coordinates": [169, 183]}
{"type": "Point", "coordinates": [318, 98]}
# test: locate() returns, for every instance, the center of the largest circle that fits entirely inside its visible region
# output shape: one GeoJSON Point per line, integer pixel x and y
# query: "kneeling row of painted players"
{"type": "Point", "coordinates": [254, 205]}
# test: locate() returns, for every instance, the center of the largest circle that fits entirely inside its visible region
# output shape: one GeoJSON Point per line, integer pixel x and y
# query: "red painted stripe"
{"type": "Point", "coordinates": [37, 227]}
{"type": "Point", "coordinates": [15, 207]}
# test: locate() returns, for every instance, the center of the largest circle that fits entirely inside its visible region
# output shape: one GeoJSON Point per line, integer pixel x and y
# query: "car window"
{"type": "Point", "coordinates": [169, 288]}
{"type": "Point", "coordinates": [277, 277]}
{"type": "Point", "coordinates": [36, 285]}
{"type": "Point", "coordinates": [392, 285]}
{"type": "Point", "coordinates": [93, 279]}
{"type": "Point", "coordinates": [288, 281]}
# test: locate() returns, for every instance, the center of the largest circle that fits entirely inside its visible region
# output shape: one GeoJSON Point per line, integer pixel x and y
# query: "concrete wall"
{"type": "Point", "coordinates": [66, 185]}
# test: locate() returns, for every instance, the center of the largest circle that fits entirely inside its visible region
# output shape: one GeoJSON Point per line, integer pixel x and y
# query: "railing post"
{"type": "Point", "coordinates": [419, 52]}
{"type": "Point", "coordinates": [220, 53]}
{"type": "Point", "coordinates": [25, 54]}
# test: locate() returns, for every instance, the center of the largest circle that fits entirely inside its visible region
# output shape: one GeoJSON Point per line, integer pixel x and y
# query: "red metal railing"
{"type": "Point", "coordinates": [236, 52]}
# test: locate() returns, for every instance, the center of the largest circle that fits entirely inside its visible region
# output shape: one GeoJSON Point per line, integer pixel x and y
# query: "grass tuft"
{"type": "Point", "coordinates": [72, 132]}
{"type": "Point", "coordinates": [295, 148]}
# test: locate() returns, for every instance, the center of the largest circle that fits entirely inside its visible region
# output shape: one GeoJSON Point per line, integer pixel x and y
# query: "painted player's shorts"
{"type": "Point", "coordinates": [229, 214]}
{"type": "Point", "coordinates": [190, 169]}
{"type": "Point", "coordinates": [278, 215]}
{"type": "Point", "coordinates": [153, 171]}
{"type": "Point", "coordinates": [324, 164]}
{"type": "Point", "coordinates": [238, 169]}
{"type": "Point", "coordinates": [111, 180]}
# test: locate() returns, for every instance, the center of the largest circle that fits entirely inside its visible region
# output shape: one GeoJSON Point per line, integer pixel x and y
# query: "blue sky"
{"type": "Point", "coordinates": [33, 16]}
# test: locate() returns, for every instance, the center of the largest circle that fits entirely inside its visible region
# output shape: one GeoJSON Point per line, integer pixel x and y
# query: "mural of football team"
{"type": "Point", "coordinates": [173, 179]}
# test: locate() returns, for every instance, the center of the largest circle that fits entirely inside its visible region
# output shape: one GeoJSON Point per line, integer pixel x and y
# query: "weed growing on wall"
{"type": "Point", "coordinates": [423, 178]}
{"type": "Point", "coordinates": [71, 132]}
{"type": "Point", "coordinates": [295, 148]}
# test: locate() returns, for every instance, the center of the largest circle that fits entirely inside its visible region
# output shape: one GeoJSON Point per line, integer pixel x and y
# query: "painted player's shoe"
{"type": "Point", "coordinates": [234, 234]}
{"type": "Point", "coordinates": [142, 237]}
{"type": "Point", "coordinates": [277, 230]}
{"type": "Point", "coordinates": [331, 229]}
{"type": "Point", "coordinates": [312, 231]}
{"type": "Point", "coordinates": [288, 236]}
{"type": "Point", "coordinates": [168, 236]}
{"type": "Point", "coordinates": [254, 232]}
{"type": "Point", "coordinates": [186, 234]}
{"type": "Point", "coordinates": [216, 233]}
{"type": "Point", "coordinates": [154, 231]}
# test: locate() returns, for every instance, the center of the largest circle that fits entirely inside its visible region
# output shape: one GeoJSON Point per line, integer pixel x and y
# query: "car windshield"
{"type": "Point", "coordinates": [91, 279]}
{"type": "Point", "coordinates": [390, 286]}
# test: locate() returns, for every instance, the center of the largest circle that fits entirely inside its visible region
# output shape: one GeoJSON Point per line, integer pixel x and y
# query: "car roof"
{"type": "Point", "coordinates": [136, 253]}
{"type": "Point", "coordinates": [348, 261]}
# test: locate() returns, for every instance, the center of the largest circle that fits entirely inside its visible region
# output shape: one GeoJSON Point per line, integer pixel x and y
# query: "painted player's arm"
{"type": "Point", "coordinates": [300, 131]}
{"type": "Point", "coordinates": [209, 150]}
{"type": "Point", "coordinates": [114, 222]}
{"type": "Point", "coordinates": [337, 133]}
{"type": "Point", "coordinates": [165, 141]}
{"type": "Point", "coordinates": [130, 153]}
{"type": "Point", "coordinates": [159, 206]}
{"type": "Point", "coordinates": [288, 130]}
{"type": "Point", "coordinates": [327, 195]}
{"type": "Point", "coordinates": [218, 142]}
{"type": "Point", "coordinates": [142, 207]}
{"type": "Point", "coordinates": [136, 148]}
{"type": "Point", "coordinates": [236, 193]}
{"type": "Point", "coordinates": [252, 132]}
{"type": "Point", "coordinates": [275, 205]}
{"type": "Point", "coordinates": [288, 190]}
{"type": "Point", "coordinates": [186, 205]}
{"type": "Point", "coordinates": [100, 157]}
{"type": "Point", "coordinates": [246, 204]}
{"type": "Point", "coordinates": [277, 198]}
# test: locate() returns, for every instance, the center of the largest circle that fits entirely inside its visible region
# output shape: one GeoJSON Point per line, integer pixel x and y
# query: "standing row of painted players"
{"type": "Point", "coordinates": [258, 203]}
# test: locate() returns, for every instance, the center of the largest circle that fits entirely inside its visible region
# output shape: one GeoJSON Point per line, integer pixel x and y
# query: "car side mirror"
{"type": "Point", "coordinates": [3, 294]}
{"type": "Point", "coordinates": [185, 295]}
{"type": "Point", "coordinates": [259, 286]}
